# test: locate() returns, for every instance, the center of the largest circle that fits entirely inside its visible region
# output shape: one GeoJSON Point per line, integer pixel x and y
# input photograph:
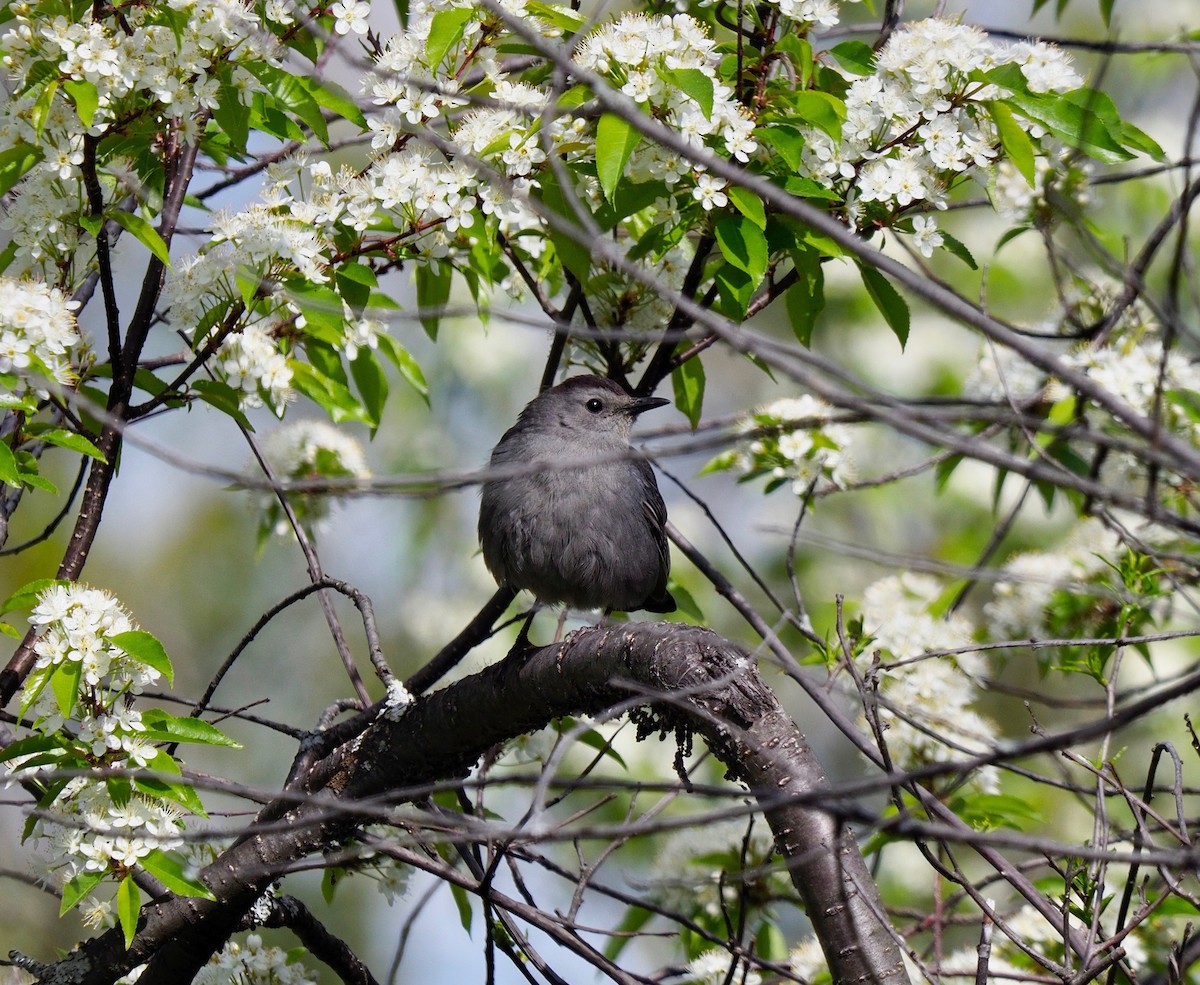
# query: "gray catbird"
{"type": "Point", "coordinates": [590, 536]}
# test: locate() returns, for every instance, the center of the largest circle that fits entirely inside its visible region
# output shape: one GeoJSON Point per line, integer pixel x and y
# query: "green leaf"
{"type": "Point", "coordinates": [409, 368]}
{"type": "Point", "coordinates": [463, 901]}
{"type": "Point", "coordinates": [163, 727]}
{"type": "Point", "coordinates": [222, 397]}
{"type": "Point", "coordinates": [743, 244]}
{"type": "Point", "coordinates": [371, 382]}
{"type": "Point", "coordinates": [77, 888]}
{"type": "Point", "coordinates": [291, 93]}
{"type": "Point", "coordinates": [693, 83]}
{"type": "Point", "coordinates": [821, 110]}
{"type": "Point", "coordinates": [71, 441]}
{"type": "Point", "coordinates": [173, 874]}
{"type": "Point", "coordinates": [888, 300]}
{"type": "Point", "coordinates": [615, 140]}
{"type": "Point", "coordinates": [129, 904]}
{"type": "Point", "coordinates": [735, 288]}
{"type": "Point", "coordinates": [85, 97]}
{"type": "Point", "coordinates": [856, 57]}
{"type": "Point", "coordinates": [355, 282]}
{"type": "Point", "coordinates": [1015, 140]}
{"type": "Point", "coordinates": [9, 473]}
{"type": "Point", "coordinates": [687, 604]}
{"type": "Point", "coordinates": [748, 204]}
{"type": "Point", "coordinates": [147, 650]}
{"type": "Point", "coordinates": [445, 31]}
{"type": "Point", "coordinates": [64, 681]}
{"type": "Point", "coordinates": [233, 117]}
{"type": "Point", "coordinates": [805, 299]}
{"type": "Point", "coordinates": [324, 316]}
{"type": "Point", "coordinates": [331, 396]}
{"type": "Point", "coordinates": [30, 745]}
{"type": "Point", "coordinates": [688, 382]}
{"type": "Point", "coordinates": [594, 740]}
{"type": "Point", "coordinates": [959, 249]}
{"type": "Point", "coordinates": [328, 95]}
{"type": "Point", "coordinates": [433, 293]}
{"type": "Point", "coordinates": [16, 162]}
{"type": "Point", "coordinates": [788, 143]}
{"type": "Point", "coordinates": [634, 920]}
{"type": "Point", "coordinates": [159, 788]}
{"type": "Point", "coordinates": [1071, 121]}
{"type": "Point", "coordinates": [144, 233]}
{"type": "Point", "coordinates": [25, 596]}
{"type": "Point", "coordinates": [573, 251]}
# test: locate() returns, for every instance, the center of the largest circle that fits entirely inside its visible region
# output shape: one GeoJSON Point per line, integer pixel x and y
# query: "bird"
{"type": "Point", "coordinates": [576, 518]}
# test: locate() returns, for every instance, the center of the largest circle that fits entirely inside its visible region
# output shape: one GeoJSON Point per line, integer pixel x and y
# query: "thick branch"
{"type": "Point", "coordinates": [693, 678]}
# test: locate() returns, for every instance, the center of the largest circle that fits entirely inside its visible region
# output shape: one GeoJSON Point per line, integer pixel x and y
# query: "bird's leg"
{"type": "Point", "coordinates": [521, 644]}
{"type": "Point", "coordinates": [562, 621]}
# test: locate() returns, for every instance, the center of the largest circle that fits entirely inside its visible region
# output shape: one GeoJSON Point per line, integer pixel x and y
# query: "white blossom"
{"type": "Point", "coordinates": [350, 16]}
{"type": "Point", "coordinates": [37, 329]}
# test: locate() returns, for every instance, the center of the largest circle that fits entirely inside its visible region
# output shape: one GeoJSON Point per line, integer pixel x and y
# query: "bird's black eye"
{"type": "Point", "coordinates": [595, 405]}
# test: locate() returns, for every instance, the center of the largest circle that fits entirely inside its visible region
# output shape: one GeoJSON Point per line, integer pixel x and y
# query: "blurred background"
{"type": "Point", "coordinates": [178, 544]}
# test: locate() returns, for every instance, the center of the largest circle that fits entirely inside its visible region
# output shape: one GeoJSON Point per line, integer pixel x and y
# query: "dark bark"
{"type": "Point", "coordinates": [690, 677]}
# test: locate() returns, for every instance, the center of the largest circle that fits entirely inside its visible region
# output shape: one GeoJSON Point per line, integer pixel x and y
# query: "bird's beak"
{"type": "Point", "coordinates": [640, 404]}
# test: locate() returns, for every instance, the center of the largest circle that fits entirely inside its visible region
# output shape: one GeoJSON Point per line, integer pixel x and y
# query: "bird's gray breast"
{"type": "Point", "coordinates": [576, 534]}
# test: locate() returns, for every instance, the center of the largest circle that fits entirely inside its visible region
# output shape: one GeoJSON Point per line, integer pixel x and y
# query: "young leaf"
{"type": "Point", "coordinates": [888, 300]}
{"type": "Point", "coordinates": [822, 110]}
{"type": "Point", "coordinates": [25, 597]}
{"type": "Point", "coordinates": [85, 97]}
{"type": "Point", "coordinates": [463, 902]}
{"type": "Point", "coordinates": [805, 299]}
{"type": "Point", "coordinates": [743, 244]}
{"type": "Point", "coordinates": [409, 368]}
{"type": "Point", "coordinates": [855, 57]}
{"type": "Point", "coordinates": [371, 382]}
{"type": "Point", "coordinates": [1015, 140]}
{"type": "Point", "coordinates": [433, 292]}
{"type": "Point", "coordinates": [146, 649]}
{"type": "Point", "coordinates": [748, 204]}
{"type": "Point", "coordinates": [144, 233]}
{"type": "Point", "coordinates": [77, 888]}
{"type": "Point", "coordinates": [9, 473]}
{"type": "Point", "coordinates": [129, 904]}
{"type": "Point", "coordinates": [573, 252]}
{"type": "Point", "coordinates": [64, 681]}
{"type": "Point", "coordinates": [71, 441]}
{"type": "Point", "coordinates": [693, 83]}
{"type": "Point", "coordinates": [615, 140]}
{"type": "Point", "coordinates": [445, 31]}
{"type": "Point", "coordinates": [173, 874]}
{"type": "Point", "coordinates": [162, 727]}
{"type": "Point", "coordinates": [688, 382]}
{"type": "Point", "coordinates": [16, 162]}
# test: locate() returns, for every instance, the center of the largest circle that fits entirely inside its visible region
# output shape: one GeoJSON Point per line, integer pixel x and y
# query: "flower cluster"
{"type": "Point", "coordinates": [168, 56]}
{"type": "Point", "coordinates": [637, 55]}
{"type": "Point", "coordinates": [253, 963]}
{"type": "Point", "coordinates": [1060, 175]}
{"type": "Point", "coordinates": [1023, 595]}
{"type": "Point", "coordinates": [693, 868]}
{"type": "Point", "coordinates": [37, 329]}
{"type": "Point", "coordinates": [87, 831]}
{"type": "Point", "coordinates": [919, 124]}
{"type": "Point", "coordinates": [924, 700]}
{"type": "Point", "coordinates": [251, 363]}
{"type": "Point", "coordinates": [716, 967]}
{"type": "Point", "coordinates": [303, 451]}
{"type": "Point", "coordinates": [820, 13]}
{"type": "Point", "coordinates": [79, 633]}
{"type": "Point", "coordinates": [792, 441]}
{"type": "Point", "coordinates": [76, 623]}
